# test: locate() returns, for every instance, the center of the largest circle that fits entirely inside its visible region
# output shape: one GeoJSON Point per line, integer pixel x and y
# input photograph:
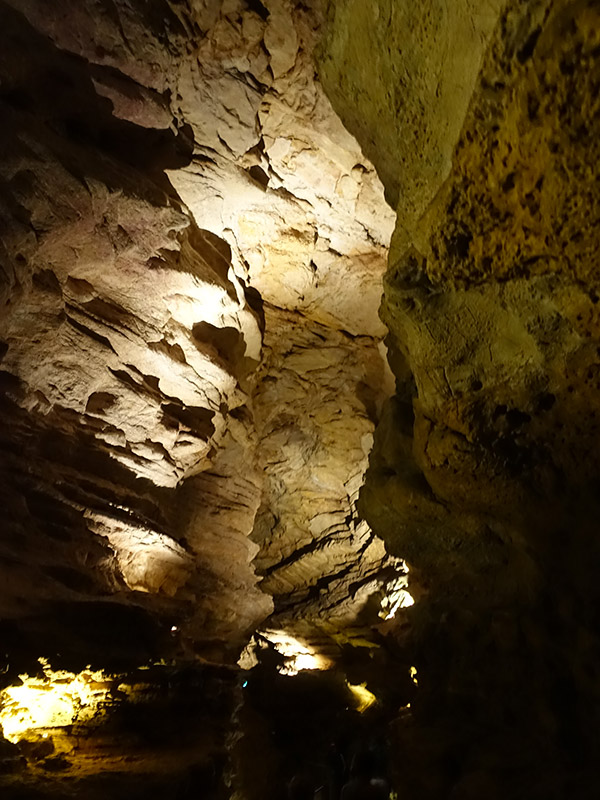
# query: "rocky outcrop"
{"type": "Point", "coordinates": [115, 388]}
{"type": "Point", "coordinates": [484, 471]}
{"type": "Point", "coordinates": [320, 561]}
{"type": "Point", "coordinates": [275, 173]}
{"type": "Point", "coordinates": [404, 95]}
{"type": "Point", "coordinates": [191, 357]}
{"type": "Point", "coordinates": [140, 444]}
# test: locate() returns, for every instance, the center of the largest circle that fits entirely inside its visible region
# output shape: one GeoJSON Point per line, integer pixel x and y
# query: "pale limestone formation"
{"type": "Point", "coordinates": [125, 337]}
{"type": "Point", "coordinates": [275, 173]}
{"type": "Point", "coordinates": [315, 424]}
{"type": "Point", "coordinates": [135, 308]}
{"type": "Point", "coordinates": [191, 367]}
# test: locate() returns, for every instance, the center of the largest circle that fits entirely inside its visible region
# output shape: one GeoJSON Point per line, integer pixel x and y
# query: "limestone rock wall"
{"type": "Point", "coordinates": [125, 335]}
{"type": "Point", "coordinates": [191, 368]}
{"type": "Point", "coordinates": [401, 75]}
{"type": "Point", "coordinates": [276, 174]}
{"type": "Point", "coordinates": [484, 473]}
{"type": "Point", "coordinates": [177, 188]}
{"type": "Point", "coordinates": [315, 424]}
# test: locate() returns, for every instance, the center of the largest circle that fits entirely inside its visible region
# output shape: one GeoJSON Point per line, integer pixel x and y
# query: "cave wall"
{"type": "Point", "coordinates": [115, 389]}
{"type": "Point", "coordinates": [275, 173]}
{"type": "Point", "coordinates": [177, 188]}
{"type": "Point", "coordinates": [412, 69]}
{"type": "Point", "coordinates": [191, 367]}
{"type": "Point", "coordinates": [484, 474]}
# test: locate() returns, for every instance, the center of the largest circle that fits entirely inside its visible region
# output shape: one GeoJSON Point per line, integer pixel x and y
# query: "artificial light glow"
{"type": "Point", "coordinates": [413, 675]}
{"type": "Point", "coordinates": [298, 656]}
{"type": "Point", "coordinates": [149, 561]}
{"type": "Point", "coordinates": [56, 699]}
{"type": "Point", "coordinates": [364, 698]}
{"type": "Point", "coordinates": [397, 596]}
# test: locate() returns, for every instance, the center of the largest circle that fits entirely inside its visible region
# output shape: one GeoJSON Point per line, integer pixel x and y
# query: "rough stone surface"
{"type": "Point", "coordinates": [401, 77]}
{"type": "Point", "coordinates": [191, 360]}
{"type": "Point", "coordinates": [484, 473]}
{"type": "Point", "coordinates": [313, 545]}
{"type": "Point", "coordinates": [131, 327]}
{"type": "Point", "coordinates": [115, 389]}
{"type": "Point", "coordinates": [192, 371]}
{"type": "Point", "coordinates": [275, 173]}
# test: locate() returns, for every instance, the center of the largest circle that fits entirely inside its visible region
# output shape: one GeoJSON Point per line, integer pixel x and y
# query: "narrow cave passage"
{"type": "Point", "coordinates": [192, 370]}
{"type": "Point", "coordinates": [299, 356]}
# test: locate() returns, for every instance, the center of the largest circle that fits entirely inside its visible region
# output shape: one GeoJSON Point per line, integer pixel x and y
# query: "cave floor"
{"type": "Point", "coordinates": [201, 731]}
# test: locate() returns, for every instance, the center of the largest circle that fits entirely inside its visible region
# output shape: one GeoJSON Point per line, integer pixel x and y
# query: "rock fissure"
{"type": "Point", "coordinates": [194, 381]}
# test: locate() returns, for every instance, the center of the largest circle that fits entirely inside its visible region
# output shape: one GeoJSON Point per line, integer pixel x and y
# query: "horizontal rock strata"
{"type": "Point", "coordinates": [177, 187]}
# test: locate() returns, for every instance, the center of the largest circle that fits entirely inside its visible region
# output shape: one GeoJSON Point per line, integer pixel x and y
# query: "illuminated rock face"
{"type": "Point", "coordinates": [117, 386]}
{"type": "Point", "coordinates": [275, 173]}
{"type": "Point", "coordinates": [192, 370]}
{"type": "Point", "coordinates": [191, 365]}
{"type": "Point", "coordinates": [191, 353]}
{"type": "Point", "coordinates": [313, 545]}
{"type": "Point", "coordinates": [485, 469]}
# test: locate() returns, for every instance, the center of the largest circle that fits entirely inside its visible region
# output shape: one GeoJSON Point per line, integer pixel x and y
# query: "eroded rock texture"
{"type": "Point", "coordinates": [133, 322]}
{"type": "Point", "coordinates": [275, 173]}
{"type": "Point", "coordinates": [320, 560]}
{"type": "Point", "coordinates": [485, 471]}
{"type": "Point", "coordinates": [191, 357]}
{"type": "Point", "coordinates": [115, 389]}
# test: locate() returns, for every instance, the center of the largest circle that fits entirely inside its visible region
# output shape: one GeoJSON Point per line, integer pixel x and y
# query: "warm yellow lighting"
{"type": "Point", "coordinates": [56, 699]}
{"type": "Point", "coordinates": [149, 561]}
{"type": "Point", "coordinates": [298, 655]}
{"type": "Point", "coordinates": [248, 658]}
{"type": "Point", "coordinates": [364, 698]}
{"type": "Point", "coordinates": [413, 675]}
{"type": "Point", "coordinates": [397, 596]}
